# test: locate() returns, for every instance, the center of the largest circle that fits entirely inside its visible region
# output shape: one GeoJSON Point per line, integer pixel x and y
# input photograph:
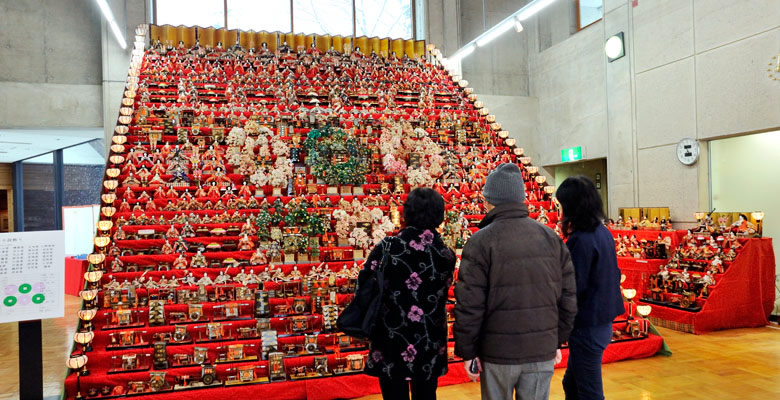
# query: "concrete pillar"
{"type": "Point", "coordinates": [115, 61]}
{"type": "Point", "coordinates": [621, 132]}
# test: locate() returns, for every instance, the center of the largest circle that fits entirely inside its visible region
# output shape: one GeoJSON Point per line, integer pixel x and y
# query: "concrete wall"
{"type": "Point", "coordinates": [692, 69]}
{"type": "Point", "coordinates": [519, 115]}
{"type": "Point", "coordinates": [501, 68]}
{"type": "Point", "coordinates": [50, 73]}
{"type": "Point", "coordinates": [443, 25]}
{"type": "Point", "coordinates": [115, 61]}
{"type": "Point", "coordinates": [700, 72]}
{"type": "Point", "coordinates": [60, 66]}
{"type": "Point", "coordinates": [555, 24]}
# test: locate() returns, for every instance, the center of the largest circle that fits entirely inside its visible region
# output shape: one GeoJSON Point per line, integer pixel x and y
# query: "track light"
{"type": "Point", "coordinates": [512, 21]}
{"type": "Point", "coordinates": [109, 16]}
{"type": "Point", "coordinates": [518, 25]}
{"type": "Point", "coordinates": [459, 55]}
{"type": "Point", "coordinates": [494, 32]}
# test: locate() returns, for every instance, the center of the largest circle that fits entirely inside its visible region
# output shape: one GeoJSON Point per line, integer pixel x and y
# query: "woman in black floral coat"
{"type": "Point", "coordinates": [409, 342]}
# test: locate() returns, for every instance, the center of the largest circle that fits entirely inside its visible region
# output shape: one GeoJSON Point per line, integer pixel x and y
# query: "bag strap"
{"type": "Point", "coordinates": [380, 271]}
{"type": "Point", "coordinates": [385, 250]}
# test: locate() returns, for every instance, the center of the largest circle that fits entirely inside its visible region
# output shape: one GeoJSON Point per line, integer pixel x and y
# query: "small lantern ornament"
{"type": "Point", "coordinates": [93, 277]}
{"type": "Point", "coordinates": [88, 295]}
{"type": "Point", "coordinates": [84, 339]}
{"type": "Point", "coordinates": [644, 310]}
{"type": "Point", "coordinates": [86, 317]}
{"type": "Point", "coordinates": [76, 362]}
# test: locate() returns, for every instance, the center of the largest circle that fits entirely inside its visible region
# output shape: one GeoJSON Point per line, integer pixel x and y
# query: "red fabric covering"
{"type": "Point", "coordinates": [630, 350]}
{"type": "Point", "coordinates": [651, 235]}
{"type": "Point", "coordinates": [337, 387]}
{"type": "Point", "coordinates": [744, 297]}
{"type": "Point", "coordinates": [74, 275]}
{"type": "Point", "coordinates": [637, 272]}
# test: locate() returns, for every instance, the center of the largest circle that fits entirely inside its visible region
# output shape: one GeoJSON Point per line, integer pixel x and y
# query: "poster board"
{"type": "Point", "coordinates": [79, 224]}
{"type": "Point", "coordinates": [32, 275]}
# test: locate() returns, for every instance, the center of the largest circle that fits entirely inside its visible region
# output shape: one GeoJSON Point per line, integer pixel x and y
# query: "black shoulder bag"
{"type": "Point", "coordinates": [359, 318]}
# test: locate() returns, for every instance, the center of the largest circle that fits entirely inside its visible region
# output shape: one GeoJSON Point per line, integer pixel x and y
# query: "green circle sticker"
{"type": "Point", "coordinates": [38, 298]}
{"type": "Point", "coordinates": [9, 301]}
{"type": "Point", "coordinates": [25, 288]}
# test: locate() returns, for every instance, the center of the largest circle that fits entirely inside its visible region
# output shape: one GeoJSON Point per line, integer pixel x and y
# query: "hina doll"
{"type": "Point", "coordinates": [120, 234]}
{"type": "Point", "coordinates": [205, 280]}
{"type": "Point", "coordinates": [221, 279]}
{"type": "Point", "coordinates": [124, 206]}
{"type": "Point", "coordinates": [716, 265]}
{"type": "Point", "coordinates": [247, 228]}
{"type": "Point", "coordinates": [198, 260]}
{"type": "Point", "coordinates": [258, 257]}
{"type": "Point", "coordinates": [166, 248]}
{"type": "Point", "coordinates": [180, 246]}
{"type": "Point", "coordinates": [117, 265]}
{"type": "Point", "coordinates": [151, 206]}
{"type": "Point", "coordinates": [245, 243]}
{"type": "Point", "coordinates": [180, 262]}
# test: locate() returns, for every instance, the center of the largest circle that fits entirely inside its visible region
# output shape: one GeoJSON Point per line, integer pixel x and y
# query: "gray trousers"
{"type": "Point", "coordinates": [529, 381]}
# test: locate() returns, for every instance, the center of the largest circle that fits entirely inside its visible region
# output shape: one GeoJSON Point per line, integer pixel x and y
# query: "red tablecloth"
{"type": "Point", "coordinates": [352, 386]}
{"type": "Point", "coordinates": [651, 235]}
{"type": "Point", "coordinates": [637, 272]}
{"type": "Point", "coordinates": [74, 275]}
{"type": "Point", "coordinates": [744, 297]}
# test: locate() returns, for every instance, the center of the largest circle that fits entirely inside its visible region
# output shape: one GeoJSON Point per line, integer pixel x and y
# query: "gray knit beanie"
{"type": "Point", "coordinates": [504, 185]}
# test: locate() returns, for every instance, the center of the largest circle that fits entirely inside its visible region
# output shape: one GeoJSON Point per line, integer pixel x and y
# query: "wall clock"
{"type": "Point", "coordinates": [688, 151]}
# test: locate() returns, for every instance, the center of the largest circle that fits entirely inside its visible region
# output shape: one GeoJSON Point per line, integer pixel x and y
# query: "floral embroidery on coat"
{"type": "Point", "coordinates": [410, 338]}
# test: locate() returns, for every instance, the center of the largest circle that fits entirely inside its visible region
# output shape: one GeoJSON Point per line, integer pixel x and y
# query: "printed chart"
{"type": "Point", "coordinates": [32, 275]}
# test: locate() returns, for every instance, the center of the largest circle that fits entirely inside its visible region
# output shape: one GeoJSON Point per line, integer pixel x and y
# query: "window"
{"type": "Point", "coordinates": [373, 18]}
{"type": "Point", "coordinates": [259, 15]}
{"type": "Point", "coordinates": [84, 165]}
{"type": "Point", "coordinates": [419, 19]}
{"type": "Point", "coordinates": [588, 12]}
{"type": "Point", "coordinates": [333, 17]}
{"type": "Point", "coordinates": [38, 192]}
{"type": "Point", "coordinates": [383, 18]}
{"type": "Point", "coordinates": [203, 13]}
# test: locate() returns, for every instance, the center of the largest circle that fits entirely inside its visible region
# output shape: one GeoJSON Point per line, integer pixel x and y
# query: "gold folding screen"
{"type": "Point", "coordinates": [209, 37]}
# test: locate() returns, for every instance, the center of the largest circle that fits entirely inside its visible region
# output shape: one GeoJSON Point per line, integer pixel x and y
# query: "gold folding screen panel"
{"type": "Point", "coordinates": [209, 37]}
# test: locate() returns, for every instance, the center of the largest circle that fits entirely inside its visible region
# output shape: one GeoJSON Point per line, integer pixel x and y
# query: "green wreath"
{"type": "Point", "coordinates": [322, 145]}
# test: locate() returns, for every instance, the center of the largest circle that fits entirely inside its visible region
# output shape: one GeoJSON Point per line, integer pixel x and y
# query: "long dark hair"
{"type": "Point", "coordinates": [581, 203]}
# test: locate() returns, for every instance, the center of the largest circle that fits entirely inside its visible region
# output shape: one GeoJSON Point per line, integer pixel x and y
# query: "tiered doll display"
{"type": "Point", "coordinates": [243, 189]}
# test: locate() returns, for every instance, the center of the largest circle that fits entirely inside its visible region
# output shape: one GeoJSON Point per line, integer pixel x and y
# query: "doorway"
{"type": "Point", "coordinates": [596, 170]}
{"type": "Point", "coordinates": [5, 211]}
{"type": "Point", "coordinates": [743, 177]}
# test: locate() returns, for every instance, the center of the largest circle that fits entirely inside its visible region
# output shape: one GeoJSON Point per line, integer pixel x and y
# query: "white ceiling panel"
{"type": "Point", "coordinates": [19, 144]}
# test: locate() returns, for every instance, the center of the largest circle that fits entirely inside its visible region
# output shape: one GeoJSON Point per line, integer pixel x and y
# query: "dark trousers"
{"type": "Point", "coordinates": [398, 389]}
{"type": "Point", "coordinates": [582, 380]}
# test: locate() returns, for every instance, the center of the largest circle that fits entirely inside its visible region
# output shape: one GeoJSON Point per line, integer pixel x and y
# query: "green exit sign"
{"type": "Point", "coordinates": [571, 154]}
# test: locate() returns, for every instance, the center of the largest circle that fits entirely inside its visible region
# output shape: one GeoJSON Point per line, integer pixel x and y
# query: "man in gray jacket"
{"type": "Point", "coordinates": [516, 295]}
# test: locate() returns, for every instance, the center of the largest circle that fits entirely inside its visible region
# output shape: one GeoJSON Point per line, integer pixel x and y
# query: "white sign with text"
{"type": "Point", "coordinates": [32, 275]}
